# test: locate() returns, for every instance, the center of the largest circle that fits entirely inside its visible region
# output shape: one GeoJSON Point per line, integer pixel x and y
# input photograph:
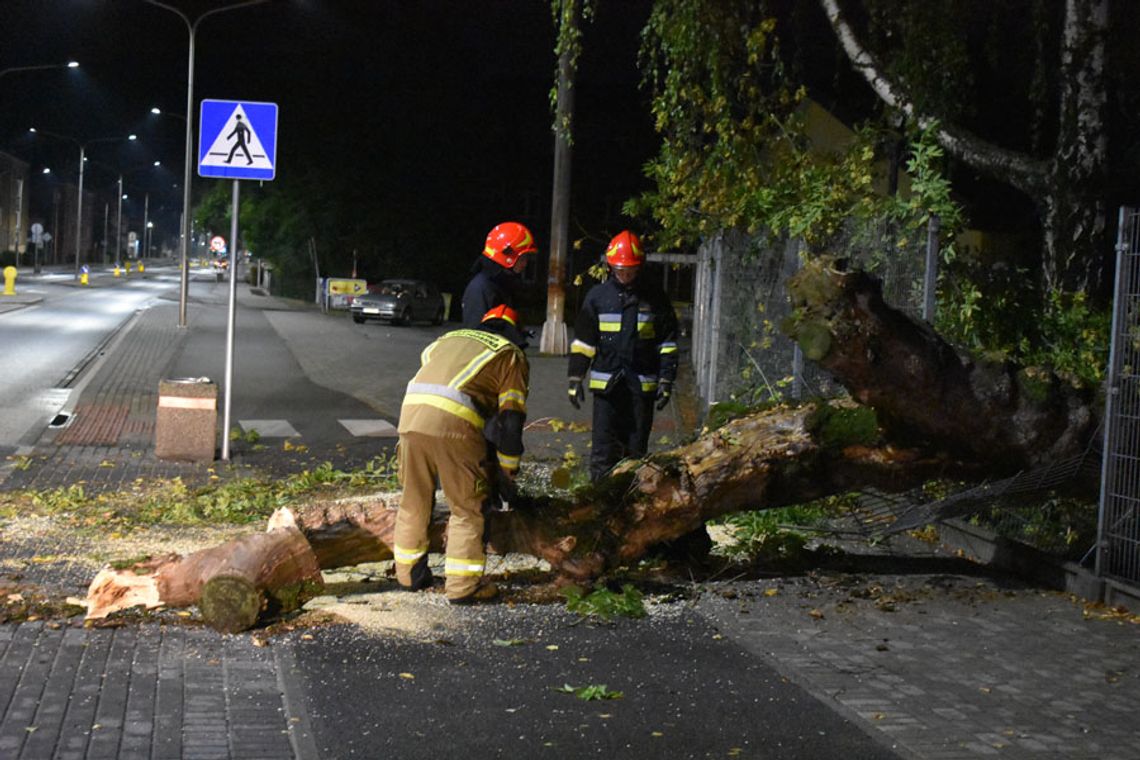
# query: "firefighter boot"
{"type": "Point", "coordinates": [484, 592]}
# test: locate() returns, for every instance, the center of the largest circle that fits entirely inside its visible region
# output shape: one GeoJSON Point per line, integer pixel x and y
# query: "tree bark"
{"type": "Point", "coordinates": [935, 413]}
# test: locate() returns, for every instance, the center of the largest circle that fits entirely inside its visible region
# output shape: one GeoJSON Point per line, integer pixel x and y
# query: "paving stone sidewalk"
{"type": "Point", "coordinates": [151, 691]}
{"type": "Point", "coordinates": [949, 666]}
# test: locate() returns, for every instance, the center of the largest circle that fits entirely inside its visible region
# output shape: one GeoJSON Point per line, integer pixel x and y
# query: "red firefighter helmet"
{"type": "Point", "coordinates": [506, 242]}
{"type": "Point", "coordinates": [625, 250]}
{"type": "Point", "coordinates": [503, 312]}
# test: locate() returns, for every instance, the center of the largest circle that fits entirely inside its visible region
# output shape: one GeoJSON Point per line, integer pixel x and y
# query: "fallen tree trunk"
{"type": "Point", "coordinates": [928, 412]}
{"type": "Point", "coordinates": [925, 393]}
{"type": "Point", "coordinates": [233, 583]}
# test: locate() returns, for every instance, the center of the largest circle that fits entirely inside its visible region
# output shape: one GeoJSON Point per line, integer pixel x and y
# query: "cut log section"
{"type": "Point", "coordinates": [232, 583]}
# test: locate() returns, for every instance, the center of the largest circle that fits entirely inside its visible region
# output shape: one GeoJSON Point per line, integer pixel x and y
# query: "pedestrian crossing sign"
{"type": "Point", "coordinates": [237, 139]}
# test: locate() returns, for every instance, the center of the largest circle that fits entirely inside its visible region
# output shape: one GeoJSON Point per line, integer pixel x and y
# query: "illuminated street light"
{"type": "Point", "coordinates": [192, 28]}
{"type": "Point", "coordinates": [40, 67]}
{"type": "Point", "coordinates": [82, 160]}
{"type": "Point", "coordinates": [159, 112]}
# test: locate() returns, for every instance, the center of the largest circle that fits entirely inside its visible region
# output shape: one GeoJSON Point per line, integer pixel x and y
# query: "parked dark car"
{"type": "Point", "coordinates": [400, 301]}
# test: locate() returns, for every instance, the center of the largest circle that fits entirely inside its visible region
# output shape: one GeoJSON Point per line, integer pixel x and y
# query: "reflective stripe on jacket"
{"type": "Point", "coordinates": [465, 377]}
{"type": "Point", "coordinates": [624, 335]}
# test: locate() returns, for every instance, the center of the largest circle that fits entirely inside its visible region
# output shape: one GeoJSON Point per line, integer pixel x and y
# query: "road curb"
{"type": "Point", "coordinates": [988, 548]}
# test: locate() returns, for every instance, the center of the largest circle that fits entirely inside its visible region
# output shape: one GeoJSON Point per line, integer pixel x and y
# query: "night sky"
{"type": "Point", "coordinates": [435, 110]}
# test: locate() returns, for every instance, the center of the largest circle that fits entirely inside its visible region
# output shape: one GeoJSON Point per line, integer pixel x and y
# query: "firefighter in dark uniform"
{"type": "Point", "coordinates": [465, 377]}
{"type": "Point", "coordinates": [498, 271]}
{"type": "Point", "coordinates": [625, 351]}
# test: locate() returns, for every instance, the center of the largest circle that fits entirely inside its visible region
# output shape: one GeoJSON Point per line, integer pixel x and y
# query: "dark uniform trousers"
{"type": "Point", "coordinates": [623, 418]}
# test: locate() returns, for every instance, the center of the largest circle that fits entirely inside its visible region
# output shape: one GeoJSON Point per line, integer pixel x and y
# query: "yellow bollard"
{"type": "Point", "coordinates": [9, 281]}
{"type": "Point", "coordinates": [118, 272]}
{"type": "Point", "coordinates": [83, 279]}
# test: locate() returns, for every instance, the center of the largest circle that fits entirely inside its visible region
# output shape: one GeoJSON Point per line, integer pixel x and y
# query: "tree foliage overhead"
{"type": "Point", "coordinates": [959, 90]}
{"type": "Point", "coordinates": [734, 150]}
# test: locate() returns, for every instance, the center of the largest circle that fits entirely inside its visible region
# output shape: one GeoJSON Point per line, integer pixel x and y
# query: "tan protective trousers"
{"type": "Point", "coordinates": [461, 466]}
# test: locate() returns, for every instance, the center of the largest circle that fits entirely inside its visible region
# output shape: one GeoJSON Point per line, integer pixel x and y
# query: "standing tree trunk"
{"type": "Point", "coordinates": [1067, 185]}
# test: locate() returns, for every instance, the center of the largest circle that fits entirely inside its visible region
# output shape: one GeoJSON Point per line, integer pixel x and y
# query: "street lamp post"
{"type": "Point", "coordinates": [119, 224]}
{"type": "Point", "coordinates": [40, 67]}
{"type": "Point", "coordinates": [82, 161]}
{"type": "Point", "coordinates": [122, 197]}
{"type": "Point", "coordinates": [146, 223]}
{"type": "Point", "coordinates": [192, 28]}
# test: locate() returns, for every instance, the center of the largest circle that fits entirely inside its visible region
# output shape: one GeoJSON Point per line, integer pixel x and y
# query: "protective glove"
{"type": "Point", "coordinates": [664, 393]}
{"type": "Point", "coordinates": [576, 392]}
{"type": "Point", "coordinates": [507, 485]}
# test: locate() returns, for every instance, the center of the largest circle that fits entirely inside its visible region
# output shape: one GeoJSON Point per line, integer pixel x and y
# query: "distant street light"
{"type": "Point", "coordinates": [40, 67]}
{"type": "Point", "coordinates": [82, 159]}
{"type": "Point", "coordinates": [192, 28]}
{"type": "Point", "coordinates": [159, 112]}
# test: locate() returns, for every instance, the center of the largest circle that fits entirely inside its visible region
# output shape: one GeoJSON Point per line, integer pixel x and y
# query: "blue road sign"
{"type": "Point", "coordinates": [237, 139]}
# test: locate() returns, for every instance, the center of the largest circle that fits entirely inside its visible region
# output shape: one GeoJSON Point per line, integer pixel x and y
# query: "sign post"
{"type": "Point", "coordinates": [237, 139]}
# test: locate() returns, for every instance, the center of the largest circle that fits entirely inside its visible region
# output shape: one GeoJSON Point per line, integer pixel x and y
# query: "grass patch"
{"type": "Point", "coordinates": [173, 502]}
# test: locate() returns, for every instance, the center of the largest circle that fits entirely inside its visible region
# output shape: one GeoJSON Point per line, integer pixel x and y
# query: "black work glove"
{"type": "Point", "coordinates": [508, 489]}
{"type": "Point", "coordinates": [664, 393]}
{"type": "Point", "coordinates": [576, 392]}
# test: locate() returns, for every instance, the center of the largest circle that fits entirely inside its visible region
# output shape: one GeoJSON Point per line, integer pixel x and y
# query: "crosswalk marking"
{"type": "Point", "coordinates": [360, 428]}
{"type": "Point", "coordinates": [270, 428]}
{"type": "Point", "coordinates": [370, 428]}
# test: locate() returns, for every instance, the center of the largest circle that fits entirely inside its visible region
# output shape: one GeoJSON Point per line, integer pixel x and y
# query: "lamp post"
{"type": "Point", "coordinates": [82, 161]}
{"type": "Point", "coordinates": [191, 28]}
{"type": "Point", "coordinates": [119, 224]}
{"type": "Point", "coordinates": [40, 67]}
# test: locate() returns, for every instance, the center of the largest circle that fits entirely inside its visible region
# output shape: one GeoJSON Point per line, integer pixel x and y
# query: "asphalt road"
{"type": "Point", "coordinates": [687, 691]}
{"type": "Point", "coordinates": [46, 346]}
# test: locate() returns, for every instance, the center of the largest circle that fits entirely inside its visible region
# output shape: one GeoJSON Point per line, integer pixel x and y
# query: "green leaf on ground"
{"type": "Point", "coordinates": [590, 692]}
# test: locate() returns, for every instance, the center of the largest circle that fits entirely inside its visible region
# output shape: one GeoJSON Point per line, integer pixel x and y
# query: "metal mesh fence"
{"type": "Point", "coordinates": [740, 354]}
{"type": "Point", "coordinates": [741, 299]}
{"type": "Point", "coordinates": [1119, 525]}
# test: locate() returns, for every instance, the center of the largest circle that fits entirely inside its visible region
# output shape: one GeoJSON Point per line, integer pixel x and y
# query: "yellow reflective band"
{"type": "Point", "coordinates": [456, 566]}
{"type": "Point", "coordinates": [407, 556]}
{"type": "Point", "coordinates": [447, 405]}
{"type": "Point", "coordinates": [508, 462]}
{"type": "Point", "coordinates": [646, 330]}
{"type": "Point", "coordinates": [596, 383]}
{"type": "Point", "coordinates": [609, 326]}
{"type": "Point", "coordinates": [490, 340]}
{"type": "Point", "coordinates": [512, 395]}
{"type": "Point", "coordinates": [578, 347]}
{"type": "Point", "coordinates": [648, 386]}
{"type": "Point", "coordinates": [471, 369]}
{"type": "Point", "coordinates": [668, 348]}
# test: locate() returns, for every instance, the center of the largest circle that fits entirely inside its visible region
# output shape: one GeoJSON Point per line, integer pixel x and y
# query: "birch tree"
{"type": "Point", "coordinates": [1066, 180]}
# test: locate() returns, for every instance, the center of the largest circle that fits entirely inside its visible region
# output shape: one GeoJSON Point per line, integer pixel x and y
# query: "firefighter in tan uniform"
{"type": "Point", "coordinates": [465, 378]}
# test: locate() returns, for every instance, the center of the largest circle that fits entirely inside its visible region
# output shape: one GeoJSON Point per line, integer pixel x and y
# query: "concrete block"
{"type": "Point", "coordinates": [186, 425]}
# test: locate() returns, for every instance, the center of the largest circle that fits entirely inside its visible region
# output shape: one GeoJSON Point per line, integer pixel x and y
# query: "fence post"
{"type": "Point", "coordinates": [931, 276]}
{"type": "Point", "coordinates": [1112, 389]}
{"type": "Point", "coordinates": [715, 307]}
{"type": "Point", "coordinates": [798, 383]}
